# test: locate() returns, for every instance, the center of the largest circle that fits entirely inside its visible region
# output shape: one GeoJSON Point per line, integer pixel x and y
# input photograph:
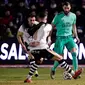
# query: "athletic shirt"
{"type": "Point", "coordinates": [41, 36]}
{"type": "Point", "coordinates": [64, 23]}
{"type": "Point", "coordinates": [26, 36]}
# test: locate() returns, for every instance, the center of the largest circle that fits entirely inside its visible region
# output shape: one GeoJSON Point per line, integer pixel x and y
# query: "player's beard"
{"type": "Point", "coordinates": [66, 12]}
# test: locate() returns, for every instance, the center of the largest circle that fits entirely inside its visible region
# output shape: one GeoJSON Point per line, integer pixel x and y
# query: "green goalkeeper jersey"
{"type": "Point", "coordinates": [64, 23]}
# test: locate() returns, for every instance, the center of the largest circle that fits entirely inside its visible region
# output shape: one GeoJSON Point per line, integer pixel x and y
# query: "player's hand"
{"type": "Point", "coordinates": [78, 40]}
{"type": "Point", "coordinates": [24, 47]}
{"type": "Point", "coordinates": [34, 44]}
{"type": "Point", "coordinates": [30, 55]}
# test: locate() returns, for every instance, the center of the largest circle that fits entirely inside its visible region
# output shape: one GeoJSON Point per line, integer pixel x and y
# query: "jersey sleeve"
{"type": "Point", "coordinates": [74, 22]}
{"type": "Point", "coordinates": [20, 29]}
{"type": "Point", "coordinates": [55, 20]}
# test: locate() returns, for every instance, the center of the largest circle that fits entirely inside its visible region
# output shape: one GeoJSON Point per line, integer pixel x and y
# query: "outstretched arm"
{"type": "Point", "coordinates": [75, 33]}
{"type": "Point", "coordinates": [19, 37]}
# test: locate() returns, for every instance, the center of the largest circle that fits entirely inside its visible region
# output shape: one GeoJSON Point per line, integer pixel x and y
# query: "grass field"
{"type": "Point", "coordinates": [16, 76]}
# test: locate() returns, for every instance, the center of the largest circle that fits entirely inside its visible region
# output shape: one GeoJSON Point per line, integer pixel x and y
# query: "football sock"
{"type": "Point", "coordinates": [56, 63]}
{"type": "Point", "coordinates": [75, 61]}
{"type": "Point", "coordinates": [33, 68]}
{"type": "Point", "coordinates": [65, 66]}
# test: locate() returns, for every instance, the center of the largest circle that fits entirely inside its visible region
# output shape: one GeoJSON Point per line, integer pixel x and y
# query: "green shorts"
{"type": "Point", "coordinates": [63, 41]}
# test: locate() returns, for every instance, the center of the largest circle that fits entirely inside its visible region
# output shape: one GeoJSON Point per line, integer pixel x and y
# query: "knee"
{"type": "Point", "coordinates": [57, 58]}
{"type": "Point", "coordinates": [39, 61]}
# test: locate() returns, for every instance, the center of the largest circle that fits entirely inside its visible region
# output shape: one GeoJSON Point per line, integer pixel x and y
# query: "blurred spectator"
{"type": "Point", "coordinates": [41, 7]}
{"type": "Point", "coordinates": [4, 32]}
{"type": "Point", "coordinates": [80, 23]}
{"type": "Point", "coordinates": [5, 21]}
{"type": "Point", "coordinates": [6, 1]}
{"type": "Point", "coordinates": [83, 1]}
{"type": "Point", "coordinates": [14, 25]}
{"type": "Point", "coordinates": [2, 9]}
{"type": "Point", "coordinates": [78, 3]}
{"type": "Point", "coordinates": [16, 11]}
{"type": "Point", "coordinates": [52, 10]}
{"type": "Point", "coordinates": [33, 8]}
{"type": "Point", "coordinates": [21, 10]}
{"type": "Point", "coordinates": [7, 18]}
{"type": "Point", "coordinates": [2, 2]}
{"type": "Point", "coordinates": [10, 7]}
{"type": "Point", "coordinates": [83, 8]}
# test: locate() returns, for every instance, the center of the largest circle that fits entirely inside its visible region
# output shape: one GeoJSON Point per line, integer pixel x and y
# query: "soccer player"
{"type": "Point", "coordinates": [65, 23]}
{"type": "Point", "coordinates": [23, 34]}
{"type": "Point", "coordinates": [39, 48]}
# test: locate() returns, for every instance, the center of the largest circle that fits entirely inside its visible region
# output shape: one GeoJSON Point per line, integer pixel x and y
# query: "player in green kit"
{"type": "Point", "coordinates": [65, 23]}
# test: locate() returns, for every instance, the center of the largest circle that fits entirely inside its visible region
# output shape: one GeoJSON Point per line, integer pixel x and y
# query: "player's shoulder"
{"type": "Point", "coordinates": [36, 22]}
{"type": "Point", "coordinates": [21, 27]}
{"type": "Point", "coordinates": [45, 24]}
{"type": "Point", "coordinates": [59, 14]}
{"type": "Point", "coordinates": [48, 26]}
{"type": "Point", "coordinates": [72, 14]}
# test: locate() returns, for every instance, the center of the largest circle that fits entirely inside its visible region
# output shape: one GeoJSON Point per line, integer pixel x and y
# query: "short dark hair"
{"type": "Point", "coordinates": [42, 14]}
{"type": "Point", "coordinates": [25, 21]}
{"type": "Point", "coordinates": [66, 3]}
{"type": "Point", "coordinates": [30, 15]}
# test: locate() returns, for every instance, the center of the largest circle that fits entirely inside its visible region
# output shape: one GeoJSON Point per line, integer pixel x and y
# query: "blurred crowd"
{"type": "Point", "coordinates": [13, 13]}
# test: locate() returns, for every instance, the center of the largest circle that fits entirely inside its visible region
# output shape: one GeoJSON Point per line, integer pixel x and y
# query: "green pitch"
{"type": "Point", "coordinates": [16, 76]}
